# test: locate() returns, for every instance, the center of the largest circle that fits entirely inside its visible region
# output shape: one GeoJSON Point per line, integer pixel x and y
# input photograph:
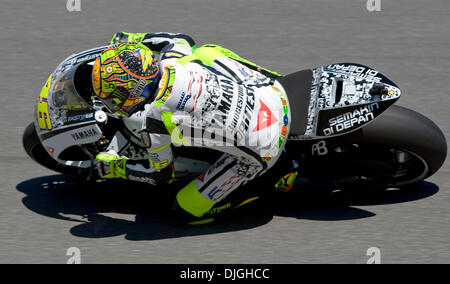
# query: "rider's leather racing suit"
{"type": "Point", "coordinates": [210, 97]}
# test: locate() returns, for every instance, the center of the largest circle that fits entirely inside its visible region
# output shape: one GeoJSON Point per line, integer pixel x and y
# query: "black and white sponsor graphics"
{"type": "Point", "coordinates": [334, 122]}
{"type": "Point", "coordinates": [226, 113]}
{"type": "Point", "coordinates": [359, 71]}
{"type": "Point", "coordinates": [142, 179]}
{"type": "Point", "coordinates": [134, 152]}
{"type": "Point", "coordinates": [227, 96]}
{"type": "Point", "coordinates": [338, 89]}
{"type": "Point", "coordinates": [79, 117]}
{"type": "Point", "coordinates": [76, 59]}
{"type": "Point", "coordinates": [239, 106]}
{"type": "Point", "coordinates": [240, 110]}
{"type": "Point", "coordinates": [84, 134]}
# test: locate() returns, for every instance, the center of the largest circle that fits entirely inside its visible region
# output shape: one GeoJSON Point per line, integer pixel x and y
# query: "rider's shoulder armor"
{"type": "Point", "coordinates": [165, 84]}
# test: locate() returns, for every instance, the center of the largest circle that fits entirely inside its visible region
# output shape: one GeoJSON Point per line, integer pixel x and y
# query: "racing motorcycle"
{"type": "Point", "coordinates": [345, 129]}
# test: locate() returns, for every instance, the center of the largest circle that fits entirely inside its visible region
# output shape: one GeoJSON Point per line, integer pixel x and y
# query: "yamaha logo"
{"type": "Point", "coordinates": [84, 134]}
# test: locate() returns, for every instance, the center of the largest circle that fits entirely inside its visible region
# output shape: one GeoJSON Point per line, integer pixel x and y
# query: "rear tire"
{"type": "Point", "coordinates": [398, 148]}
{"type": "Point", "coordinates": [405, 129]}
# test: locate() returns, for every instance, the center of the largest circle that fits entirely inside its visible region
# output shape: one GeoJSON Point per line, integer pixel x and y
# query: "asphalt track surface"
{"type": "Point", "coordinates": [42, 214]}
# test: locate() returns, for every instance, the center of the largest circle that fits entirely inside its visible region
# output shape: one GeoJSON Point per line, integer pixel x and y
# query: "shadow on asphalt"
{"type": "Point", "coordinates": [87, 205]}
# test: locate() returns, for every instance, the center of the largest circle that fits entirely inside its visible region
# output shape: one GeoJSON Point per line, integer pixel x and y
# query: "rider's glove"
{"type": "Point", "coordinates": [124, 37]}
{"type": "Point", "coordinates": [111, 165]}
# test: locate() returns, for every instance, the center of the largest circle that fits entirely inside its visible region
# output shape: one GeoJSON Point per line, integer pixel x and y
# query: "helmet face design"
{"type": "Point", "coordinates": [124, 76]}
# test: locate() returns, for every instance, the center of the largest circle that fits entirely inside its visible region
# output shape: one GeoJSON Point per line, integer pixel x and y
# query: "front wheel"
{"type": "Point", "coordinates": [37, 152]}
{"type": "Point", "coordinates": [399, 148]}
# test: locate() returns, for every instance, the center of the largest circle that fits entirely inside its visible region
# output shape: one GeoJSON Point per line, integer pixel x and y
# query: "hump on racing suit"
{"type": "Point", "coordinates": [210, 97]}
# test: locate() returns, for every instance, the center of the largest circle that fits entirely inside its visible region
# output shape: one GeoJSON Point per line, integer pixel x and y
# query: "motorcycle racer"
{"type": "Point", "coordinates": [204, 97]}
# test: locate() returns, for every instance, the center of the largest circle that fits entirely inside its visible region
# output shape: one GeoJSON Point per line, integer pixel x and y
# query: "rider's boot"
{"type": "Point", "coordinates": [286, 183]}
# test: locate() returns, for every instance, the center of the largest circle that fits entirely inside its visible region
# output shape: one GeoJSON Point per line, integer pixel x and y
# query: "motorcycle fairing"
{"type": "Point", "coordinates": [63, 118]}
{"type": "Point", "coordinates": [343, 98]}
{"type": "Point", "coordinates": [56, 142]}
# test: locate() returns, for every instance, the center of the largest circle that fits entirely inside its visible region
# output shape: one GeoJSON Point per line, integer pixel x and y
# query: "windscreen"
{"type": "Point", "coordinates": [65, 95]}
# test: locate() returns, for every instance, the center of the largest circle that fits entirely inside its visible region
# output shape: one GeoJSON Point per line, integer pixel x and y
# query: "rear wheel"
{"type": "Point", "coordinates": [369, 164]}
{"type": "Point", "coordinates": [399, 148]}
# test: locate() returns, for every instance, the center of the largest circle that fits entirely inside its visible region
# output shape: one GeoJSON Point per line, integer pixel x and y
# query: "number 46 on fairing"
{"type": "Point", "coordinates": [43, 117]}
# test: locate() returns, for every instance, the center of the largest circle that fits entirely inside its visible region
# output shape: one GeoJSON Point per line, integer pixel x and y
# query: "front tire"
{"type": "Point", "coordinates": [37, 152]}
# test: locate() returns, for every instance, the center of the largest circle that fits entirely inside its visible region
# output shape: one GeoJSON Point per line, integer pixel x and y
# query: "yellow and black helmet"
{"type": "Point", "coordinates": [125, 76]}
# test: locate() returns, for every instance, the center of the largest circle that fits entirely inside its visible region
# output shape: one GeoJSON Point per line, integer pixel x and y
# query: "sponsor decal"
{"type": "Point", "coordinates": [218, 192]}
{"type": "Point", "coordinates": [248, 111]}
{"type": "Point", "coordinates": [219, 209]}
{"type": "Point", "coordinates": [50, 150]}
{"type": "Point", "coordinates": [80, 117]}
{"type": "Point", "coordinates": [74, 60]}
{"type": "Point", "coordinates": [354, 70]}
{"type": "Point", "coordinates": [244, 70]}
{"type": "Point", "coordinates": [81, 135]}
{"type": "Point", "coordinates": [216, 165]}
{"type": "Point", "coordinates": [320, 148]}
{"type": "Point", "coordinates": [351, 119]}
{"type": "Point", "coordinates": [265, 117]}
{"type": "Point", "coordinates": [142, 179]}
{"type": "Point", "coordinates": [213, 192]}
{"type": "Point", "coordinates": [238, 109]}
{"type": "Point", "coordinates": [227, 96]}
